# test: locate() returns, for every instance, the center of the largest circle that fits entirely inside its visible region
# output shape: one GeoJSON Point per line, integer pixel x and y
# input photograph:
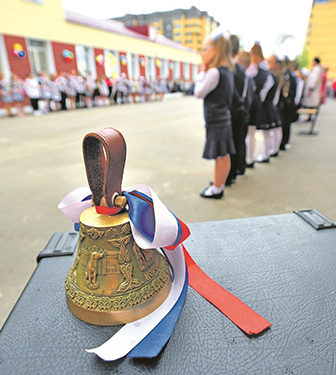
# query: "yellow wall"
{"type": "Point", "coordinates": [321, 35]}
{"type": "Point", "coordinates": [46, 21]}
{"type": "Point", "coordinates": [190, 25]}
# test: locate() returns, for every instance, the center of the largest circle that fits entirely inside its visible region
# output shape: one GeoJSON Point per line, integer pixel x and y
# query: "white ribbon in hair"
{"type": "Point", "coordinates": [218, 33]}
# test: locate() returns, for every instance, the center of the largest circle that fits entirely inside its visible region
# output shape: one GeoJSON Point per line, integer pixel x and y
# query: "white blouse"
{"type": "Point", "coordinates": [206, 82]}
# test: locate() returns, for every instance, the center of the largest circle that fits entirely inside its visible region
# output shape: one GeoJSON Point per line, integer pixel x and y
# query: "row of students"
{"type": "Point", "coordinates": [72, 90]}
{"type": "Point", "coordinates": [244, 92]}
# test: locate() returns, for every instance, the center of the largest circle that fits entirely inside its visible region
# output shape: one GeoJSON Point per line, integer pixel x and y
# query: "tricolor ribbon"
{"type": "Point", "coordinates": [154, 226]}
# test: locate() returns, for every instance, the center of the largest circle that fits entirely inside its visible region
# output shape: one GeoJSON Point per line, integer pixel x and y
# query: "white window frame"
{"type": "Point", "coordinates": [164, 68]}
{"type": "Point", "coordinates": [150, 67]}
{"type": "Point", "coordinates": [177, 70]}
{"type": "Point", "coordinates": [33, 56]}
{"type": "Point", "coordinates": [186, 71]}
{"type": "Point", "coordinates": [4, 63]}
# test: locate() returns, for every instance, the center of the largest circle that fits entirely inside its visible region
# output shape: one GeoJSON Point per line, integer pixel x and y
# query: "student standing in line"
{"type": "Point", "coordinates": [17, 93]}
{"type": "Point", "coordinates": [44, 82]}
{"type": "Point", "coordinates": [6, 94]}
{"type": "Point", "coordinates": [287, 107]}
{"type": "Point", "coordinates": [258, 71]}
{"type": "Point", "coordinates": [215, 84]}
{"type": "Point", "coordinates": [271, 126]}
{"type": "Point", "coordinates": [240, 115]}
{"type": "Point", "coordinates": [61, 82]}
{"type": "Point", "coordinates": [33, 91]}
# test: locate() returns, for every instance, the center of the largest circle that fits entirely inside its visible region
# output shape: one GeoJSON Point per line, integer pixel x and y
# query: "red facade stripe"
{"type": "Point", "coordinates": [60, 63]}
{"type": "Point", "coordinates": [99, 68]}
{"type": "Point", "coordinates": [142, 65]}
{"type": "Point", "coordinates": [123, 63]}
{"type": "Point", "coordinates": [18, 65]}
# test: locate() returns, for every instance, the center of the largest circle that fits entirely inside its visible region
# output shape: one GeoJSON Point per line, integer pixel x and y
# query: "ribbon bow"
{"type": "Point", "coordinates": [154, 226]}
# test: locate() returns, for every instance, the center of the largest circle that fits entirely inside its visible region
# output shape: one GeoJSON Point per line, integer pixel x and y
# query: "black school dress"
{"type": "Point", "coordinates": [256, 110]}
{"type": "Point", "coordinates": [271, 113]}
{"type": "Point", "coordinates": [217, 116]}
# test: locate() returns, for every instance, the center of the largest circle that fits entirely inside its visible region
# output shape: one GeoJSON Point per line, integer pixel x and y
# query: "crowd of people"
{"type": "Point", "coordinates": [244, 92]}
{"type": "Point", "coordinates": [63, 91]}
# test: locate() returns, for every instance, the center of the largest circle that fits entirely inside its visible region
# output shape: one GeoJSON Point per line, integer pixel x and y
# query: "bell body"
{"type": "Point", "coordinates": [113, 281]}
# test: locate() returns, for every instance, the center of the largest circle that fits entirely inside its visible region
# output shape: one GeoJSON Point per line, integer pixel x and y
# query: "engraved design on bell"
{"type": "Point", "coordinates": [113, 275]}
{"type": "Point", "coordinates": [129, 282]}
{"type": "Point", "coordinates": [91, 269]}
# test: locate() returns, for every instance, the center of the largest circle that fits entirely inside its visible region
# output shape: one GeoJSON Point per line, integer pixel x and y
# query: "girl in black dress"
{"type": "Point", "coordinates": [215, 84]}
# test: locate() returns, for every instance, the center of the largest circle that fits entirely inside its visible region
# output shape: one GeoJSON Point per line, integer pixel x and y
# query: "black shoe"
{"type": "Point", "coordinates": [240, 172]}
{"type": "Point", "coordinates": [274, 155]}
{"type": "Point", "coordinates": [263, 161]}
{"type": "Point", "coordinates": [250, 165]}
{"type": "Point", "coordinates": [230, 182]}
{"type": "Point", "coordinates": [213, 196]}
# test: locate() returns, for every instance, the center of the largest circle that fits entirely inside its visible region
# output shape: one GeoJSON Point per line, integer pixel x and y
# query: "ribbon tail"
{"type": "Point", "coordinates": [239, 313]}
{"type": "Point", "coordinates": [154, 342]}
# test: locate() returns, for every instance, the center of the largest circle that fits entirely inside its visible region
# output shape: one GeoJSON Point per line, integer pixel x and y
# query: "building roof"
{"type": "Point", "coordinates": [193, 12]}
{"type": "Point", "coordinates": [119, 28]}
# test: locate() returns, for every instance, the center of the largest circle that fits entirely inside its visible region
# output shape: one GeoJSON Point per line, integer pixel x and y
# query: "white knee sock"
{"type": "Point", "coordinates": [267, 144]}
{"type": "Point", "coordinates": [250, 144]}
{"type": "Point", "coordinates": [277, 139]}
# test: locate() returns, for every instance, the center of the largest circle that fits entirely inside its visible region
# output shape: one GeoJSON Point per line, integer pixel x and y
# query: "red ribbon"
{"type": "Point", "coordinates": [107, 210]}
{"type": "Point", "coordinates": [236, 310]}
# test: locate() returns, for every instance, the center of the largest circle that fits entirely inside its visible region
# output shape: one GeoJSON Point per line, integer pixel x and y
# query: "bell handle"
{"type": "Point", "coordinates": [104, 154]}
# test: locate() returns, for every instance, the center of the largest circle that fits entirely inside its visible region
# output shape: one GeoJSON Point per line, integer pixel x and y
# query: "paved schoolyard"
{"type": "Point", "coordinates": [41, 161]}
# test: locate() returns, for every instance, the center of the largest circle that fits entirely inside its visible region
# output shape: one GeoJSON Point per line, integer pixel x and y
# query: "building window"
{"type": "Point", "coordinates": [111, 65]}
{"type": "Point", "coordinates": [82, 56]}
{"type": "Point", "coordinates": [178, 26]}
{"type": "Point", "coordinates": [186, 71]}
{"type": "Point", "coordinates": [177, 34]}
{"type": "Point", "coordinates": [133, 66]}
{"type": "Point", "coordinates": [38, 55]}
{"type": "Point", "coordinates": [150, 67]}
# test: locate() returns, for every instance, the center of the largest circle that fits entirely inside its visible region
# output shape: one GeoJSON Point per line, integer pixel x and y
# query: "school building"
{"type": "Point", "coordinates": [321, 34]}
{"type": "Point", "coordinates": [40, 35]}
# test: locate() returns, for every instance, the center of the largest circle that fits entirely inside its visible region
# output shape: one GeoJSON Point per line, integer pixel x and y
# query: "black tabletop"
{"type": "Point", "coordinates": [278, 265]}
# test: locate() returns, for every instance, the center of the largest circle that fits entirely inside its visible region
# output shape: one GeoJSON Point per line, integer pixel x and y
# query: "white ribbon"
{"type": "Point", "coordinates": [72, 205]}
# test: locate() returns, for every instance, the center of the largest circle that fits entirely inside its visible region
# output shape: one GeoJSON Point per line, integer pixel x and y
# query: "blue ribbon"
{"type": "Point", "coordinates": [154, 342]}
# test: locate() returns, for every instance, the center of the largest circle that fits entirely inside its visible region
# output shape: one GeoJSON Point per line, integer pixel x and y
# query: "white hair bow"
{"type": "Point", "coordinates": [218, 33]}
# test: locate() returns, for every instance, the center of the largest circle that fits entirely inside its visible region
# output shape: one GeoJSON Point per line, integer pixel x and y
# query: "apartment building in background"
{"type": "Point", "coordinates": [321, 34]}
{"type": "Point", "coordinates": [188, 27]}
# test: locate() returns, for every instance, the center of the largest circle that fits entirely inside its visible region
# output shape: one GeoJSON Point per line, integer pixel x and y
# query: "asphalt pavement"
{"type": "Point", "coordinates": [41, 161]}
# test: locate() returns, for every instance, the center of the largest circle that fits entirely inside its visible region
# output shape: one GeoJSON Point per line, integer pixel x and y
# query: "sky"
{"type": "Point", "coordinates": [262, 20]}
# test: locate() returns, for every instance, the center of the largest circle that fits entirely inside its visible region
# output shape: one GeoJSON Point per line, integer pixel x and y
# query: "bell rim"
{"type": "Point", "coordinates": [111, 318]}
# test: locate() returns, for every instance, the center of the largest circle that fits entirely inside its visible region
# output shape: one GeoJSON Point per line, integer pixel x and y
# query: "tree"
{"type": "Point", "coordinates": [281, 39]}
{"type": "Point", "coordinates": [304, 59]}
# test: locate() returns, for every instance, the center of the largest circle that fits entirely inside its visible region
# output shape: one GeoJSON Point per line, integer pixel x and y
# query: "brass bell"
{"type": "Point", "coordinates": [112, 281]}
